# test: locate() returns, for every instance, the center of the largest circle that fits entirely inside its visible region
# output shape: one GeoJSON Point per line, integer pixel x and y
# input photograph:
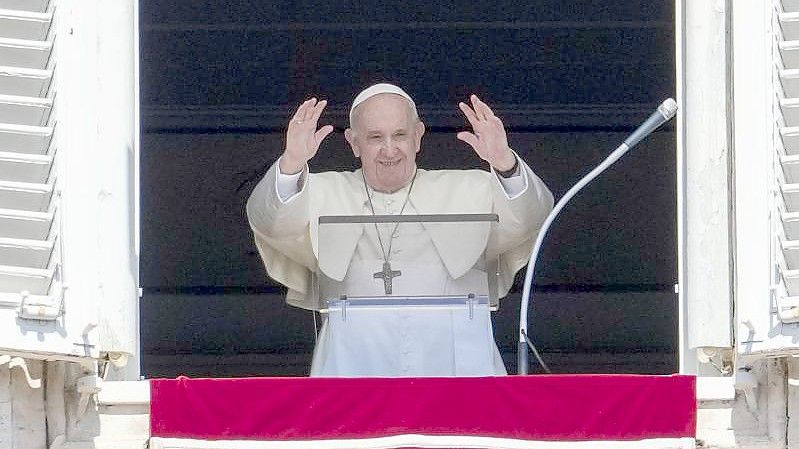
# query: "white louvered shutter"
{"type": "Point", "coordinates": [771, 326]}
{"type": "Point", "coordinates": [786, 207]}
{"type": "Point", "coordinates": [786, 167]}
{"type": "Point", "coordinates": [54, 273]}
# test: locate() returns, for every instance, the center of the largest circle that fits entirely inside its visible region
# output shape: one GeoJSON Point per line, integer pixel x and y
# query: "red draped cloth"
{"type": "Point", "coordinates": [577, 408]}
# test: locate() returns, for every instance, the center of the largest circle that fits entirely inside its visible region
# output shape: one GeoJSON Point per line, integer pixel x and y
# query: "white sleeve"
{"type": "Point", "coordinates": [287, 186]}
{"type": "Point", "coordinates": [514, 185]}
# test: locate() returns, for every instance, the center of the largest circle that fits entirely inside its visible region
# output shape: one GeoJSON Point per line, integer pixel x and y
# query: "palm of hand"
{"type": "Point", "coordinates": [488, 139]}
{"type": "Point", "coordinates": [302, 137]}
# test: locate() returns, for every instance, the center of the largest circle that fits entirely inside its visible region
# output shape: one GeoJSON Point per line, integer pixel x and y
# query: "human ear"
{"type": "Point", "coordinates": [419, 133]}
{"type": "Point", "coordinates": [349, 134]}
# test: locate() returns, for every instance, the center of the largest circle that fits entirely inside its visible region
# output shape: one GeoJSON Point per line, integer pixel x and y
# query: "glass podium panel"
{"type": "Point", "coordinates": [405, 256]}
{"type": "Point", "coordinates": [407, 336]}
{"type": "Point", "coordinates": [406, 296]}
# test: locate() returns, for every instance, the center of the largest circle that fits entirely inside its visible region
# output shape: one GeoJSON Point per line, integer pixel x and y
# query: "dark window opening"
{"type": "Point", "coordinates": [219, 80]}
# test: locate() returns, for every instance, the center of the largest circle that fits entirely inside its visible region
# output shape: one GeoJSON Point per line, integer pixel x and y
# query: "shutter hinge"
{"type": "Point", "coordinates": [41, 308]}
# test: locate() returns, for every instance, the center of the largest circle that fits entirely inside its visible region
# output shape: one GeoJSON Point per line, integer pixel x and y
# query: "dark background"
{"type": "Point", "coordinates": [570, 79]}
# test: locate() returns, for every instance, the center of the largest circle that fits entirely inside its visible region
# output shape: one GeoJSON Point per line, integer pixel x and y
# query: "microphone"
{"type": "Point", "coordinates": [664, 113]}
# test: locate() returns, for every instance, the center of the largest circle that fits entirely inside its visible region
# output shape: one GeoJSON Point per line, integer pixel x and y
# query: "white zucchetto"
{"type": "Point", "coordinates": [377, 89]}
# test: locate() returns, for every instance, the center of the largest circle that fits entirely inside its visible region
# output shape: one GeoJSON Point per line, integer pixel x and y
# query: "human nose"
{"type": "Point", "coordinates": [390, 145]}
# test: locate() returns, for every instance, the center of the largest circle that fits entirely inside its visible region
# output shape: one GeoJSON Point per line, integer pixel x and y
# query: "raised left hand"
{"type": "Point", "coordinates": [489, 139]}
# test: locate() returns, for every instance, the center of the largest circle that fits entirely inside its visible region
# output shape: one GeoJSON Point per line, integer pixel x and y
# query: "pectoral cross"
{"type": "Point", "coordinates": [387, 275]}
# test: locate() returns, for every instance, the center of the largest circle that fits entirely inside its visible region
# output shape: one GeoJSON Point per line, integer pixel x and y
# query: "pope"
{"type": "Point", "coordinates": [385, 134]}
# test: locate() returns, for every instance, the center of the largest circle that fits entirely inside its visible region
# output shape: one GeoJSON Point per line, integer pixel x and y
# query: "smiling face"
{"type": "Point", "coordinates": [386, 135]}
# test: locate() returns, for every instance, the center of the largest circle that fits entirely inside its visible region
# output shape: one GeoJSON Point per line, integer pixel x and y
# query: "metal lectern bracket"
{"type": "Point", "coordinates": [470, 302]}
{"type": "Point", "coordinates": [344, 303]}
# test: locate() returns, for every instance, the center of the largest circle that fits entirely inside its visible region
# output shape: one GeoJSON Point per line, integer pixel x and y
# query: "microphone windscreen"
{"type": "Point", "coordinates": [668, 108]}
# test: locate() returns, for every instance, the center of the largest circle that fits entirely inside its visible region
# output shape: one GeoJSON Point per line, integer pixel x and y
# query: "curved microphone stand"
{"type": "Point", "coordinates": [664, 112]}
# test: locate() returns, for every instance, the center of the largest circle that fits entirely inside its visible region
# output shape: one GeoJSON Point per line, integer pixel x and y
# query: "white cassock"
{"type": "Point", "coordinates": [432, 262]}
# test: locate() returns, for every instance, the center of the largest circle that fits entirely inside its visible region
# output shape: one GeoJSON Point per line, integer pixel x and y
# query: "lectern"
{"type": "Point", "coordinates": [406, 295]}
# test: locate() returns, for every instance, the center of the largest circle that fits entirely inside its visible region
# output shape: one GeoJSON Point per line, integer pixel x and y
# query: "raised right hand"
{"type": "Point", "coordinates": [302, 137]}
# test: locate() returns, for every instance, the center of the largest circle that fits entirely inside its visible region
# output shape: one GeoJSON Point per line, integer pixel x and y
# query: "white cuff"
{"type": "Point", "coordinates": [287, 186]}
{"type": "Point", "coordinates": [516, 184]}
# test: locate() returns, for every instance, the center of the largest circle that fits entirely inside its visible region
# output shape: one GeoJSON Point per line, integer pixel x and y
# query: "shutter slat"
{"type": "Point", "coordinates": [790, 250]}
{"type": "Point", "coordinates": [26, 253]}
{"type": "Point", "coordinates": [25, 139]}
{"type": "Point", "coordinates": [31, 111]}
{"type": "Point", "coordinates": [790, 225]}
{"type": "Point", "coordinates": [790, 82]}
{"type": "Point", "coordinates": [25, 167]}
{"type": "Point", "coordinates": [24, 81]}
{"type": "Point", "coordinates": [790, 193]}
{"type": "Point", "coordinates": [26, 196]}
{"type": "Point", "coordinates": [790, 5]}
{"type": "Point", "coordinates": [24, 53]}
{"type": "Point", "coordinates": [790, 139]}
{"type": "Point", "coordinates": [22, 224]}
{"type": "Point", "coordinates": [35, 281]}
{"type": "Point", "coordinates": [18, 24]}
{"type": "Point", "coordinates": [25, 5]}
{"type": "Point", "coordinates": [791, 279]}
{"type": "Point", "coordinates": [789, 22]}
{"type": "Point", "coordinates": [790, 166]}
{"type": "Point", "coordinates": [790, 111]}
{"type": "Point", "coordinates": [790, 54]}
